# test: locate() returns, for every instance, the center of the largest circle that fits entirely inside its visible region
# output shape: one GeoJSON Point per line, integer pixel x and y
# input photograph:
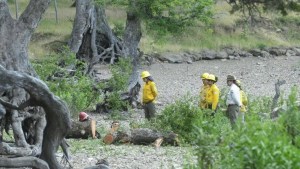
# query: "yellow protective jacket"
{"type": "Point", "coordinates": [203, 92]}
{"type": "Point", "coordinates": [244, 101]}
{"type": "Point", "coordinates": [149, 92]}
{"type": "Point", "coordinates": [212, 96]}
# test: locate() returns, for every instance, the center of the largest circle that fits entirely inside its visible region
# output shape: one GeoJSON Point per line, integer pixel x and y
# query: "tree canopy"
{"type": "Point", "coordinates": [166, 15]}
{"type": "Point", "coordinates": [252, 7]}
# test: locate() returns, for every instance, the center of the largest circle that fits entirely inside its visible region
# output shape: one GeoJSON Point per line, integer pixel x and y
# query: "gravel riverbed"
{"type": "Point", "coordinates": [173, 81]}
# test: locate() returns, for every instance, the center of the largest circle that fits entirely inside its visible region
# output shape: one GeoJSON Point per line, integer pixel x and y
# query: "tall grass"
{"type": "Point", "coordinates": [222, 32]}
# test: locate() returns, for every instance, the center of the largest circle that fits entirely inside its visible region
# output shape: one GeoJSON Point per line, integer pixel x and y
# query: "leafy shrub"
{"type": "Point", "coordinates": [260, 105]}
{"type": "Point", "coordinates": [210, 135]}
{"type": "Point", "coordinates": [121, 72]}
{"type": "Point", "coordinates": [260, 145]}
{"type": "Point", "coordinates": [118, 29]}
{"type": "Point", "coordinates": [75, 88]}
{"type": "Point", "coordinates": [291, 117]}
{"type": "Point", "coordinates": [181, 117]}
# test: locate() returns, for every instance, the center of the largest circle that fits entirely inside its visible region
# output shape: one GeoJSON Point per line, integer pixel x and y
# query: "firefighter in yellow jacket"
{"type": "Point", "coordinates": [244, 100]}
{"type": "Point", "coordinates": [203, 90]}
{"type": "Point", "coordinates": [149, 95]}
{"type": "Point", "coordinates": [213, 93]}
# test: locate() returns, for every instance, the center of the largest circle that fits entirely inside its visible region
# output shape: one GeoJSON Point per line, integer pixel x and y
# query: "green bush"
{"type": "Point", "coordinates": [181, 117]}
{"type": "Point", "coordinates": [291, 117]}
{"type": "Point", "coordinates": [121, 72]}
{"type": "Point", "coordinates": [260, 145]}
{"type": "Point", "coordinates": [210, 135]}
{"type": "Point", "coordinates": [76, 89]}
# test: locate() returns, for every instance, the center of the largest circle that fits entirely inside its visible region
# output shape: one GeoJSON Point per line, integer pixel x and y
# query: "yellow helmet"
{"type": "Point", "coordinates": [204, 76]}
{"type": "Point", "coordinates": [211, 77]}
{"type": "Point", "coordinates": [145, 74]}
{"type": "Point", "coordinates": [238, 83]}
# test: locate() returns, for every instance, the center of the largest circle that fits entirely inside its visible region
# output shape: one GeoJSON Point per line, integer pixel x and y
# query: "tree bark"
{"type": "Point", "coordinates": [55, 109]}
{"type": "Point", "coordinates": [32, 162]}
{"type": "Point", "coordinates": [24, 90]}
{"type": "Point", "coordinates": [141, 136]}
{"type": "Point", "coordinates": [274, 107]}
{"type": "Point", "coordinates": [82, 130]}
{"type": "Point", "coordinates": [93, 41]}
{"type": "Point", "coordinates": [132, 37]}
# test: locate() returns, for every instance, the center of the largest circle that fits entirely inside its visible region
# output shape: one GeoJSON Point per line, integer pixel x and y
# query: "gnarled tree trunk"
{"type": "Point", "coordinates": [22, 91]}
{"type": "Point", "coordinates": [94, 42]}
{"type": "Point", "coordinates": [92, 39]}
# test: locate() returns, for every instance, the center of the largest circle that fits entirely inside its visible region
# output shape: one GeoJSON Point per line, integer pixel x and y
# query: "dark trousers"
{"type": "Point", "coordinates": [149, 110]}
{"type": "Point", "coordinates": [232, 113]}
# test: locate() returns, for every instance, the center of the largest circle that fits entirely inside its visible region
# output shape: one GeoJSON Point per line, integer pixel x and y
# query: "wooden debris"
{"type": "Point", "coordinates": [140, 136]}
{"type": "Point", "coordinates": [83, 130]}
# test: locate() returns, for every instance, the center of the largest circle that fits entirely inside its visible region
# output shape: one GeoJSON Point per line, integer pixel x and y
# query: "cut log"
{"type": "Point", "coordinates": [82, 130]}
{"type": "Point", "coordinates": [142, 136]}
{"type": "Point", "coordinates": [146, 136]}
{"type": "Point", "coordinates": [110, 137]}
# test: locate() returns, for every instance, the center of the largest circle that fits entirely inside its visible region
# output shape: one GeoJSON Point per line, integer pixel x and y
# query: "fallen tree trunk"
{"type": "Point", "coordinates": [149, 136]}
{"type": "Point", "coordinates": [142, 136]}
{"type": "Point", "coordinates": [81, 130]}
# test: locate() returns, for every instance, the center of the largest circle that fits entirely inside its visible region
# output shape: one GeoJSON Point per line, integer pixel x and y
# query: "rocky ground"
{"type": "Point", "coordinates": [257, 74]}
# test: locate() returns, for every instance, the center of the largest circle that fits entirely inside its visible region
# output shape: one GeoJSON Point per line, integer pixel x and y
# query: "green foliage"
{"type": "Point", "coordinates": [118, 29]}
{"type": "Point", "coordinates": [167, 16]}
{"type": "Point", "coordinates": [260, 105]}
{"type": "Point", "coordinates": [121, 72]}
{"type": "Point", "coordinates": [254, 7]}
{"type": "Point", "coordinates": [260, 144]}
{"type": "Point", "coordinates": [74, 88]}
{"type": "Point", "coordinates": [210, 134]}
{"type": "Point", "coordinates": [181, 117]}
{"type": "Point", "coordinates": [291, 117]}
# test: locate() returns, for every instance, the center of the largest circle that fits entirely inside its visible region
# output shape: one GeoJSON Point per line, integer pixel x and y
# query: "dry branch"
{"type": "Point", "coordinates": [275, 108]}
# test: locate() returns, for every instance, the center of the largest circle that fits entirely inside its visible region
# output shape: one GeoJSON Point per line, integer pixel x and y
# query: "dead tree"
{"type": "Point", "coordinates": [275, 109]}
{"type": "Point", "coordinates": [94, 41]}
{"type": "Point", "coordinates": [39, 95]}
{"type": "Point", "coordinates": [21, 92]}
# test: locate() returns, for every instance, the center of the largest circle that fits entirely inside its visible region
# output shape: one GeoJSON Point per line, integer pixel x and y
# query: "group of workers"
{"type": "Point", "coordinates": [236, 100]}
